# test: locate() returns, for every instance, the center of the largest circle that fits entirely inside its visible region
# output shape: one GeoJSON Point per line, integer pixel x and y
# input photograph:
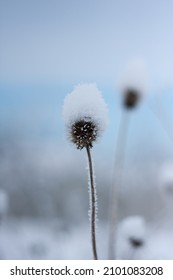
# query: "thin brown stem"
{"type": "Point", "coordinates": [117, 182]}
{"type": "Point", "coordinates": [93, 204]}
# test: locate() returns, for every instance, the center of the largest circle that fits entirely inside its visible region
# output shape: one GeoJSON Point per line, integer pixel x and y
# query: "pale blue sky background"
{"type": "Point", "coordinates": [48, 46]}
{"type": "Point", "coordinates": [55, 41]}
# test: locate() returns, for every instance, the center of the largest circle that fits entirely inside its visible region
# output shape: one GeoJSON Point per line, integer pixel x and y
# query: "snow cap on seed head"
{"type": "Point", "coordinates": [85, 114]}
{"type": "Point", "coordinates": [132, 227]}
{"type": "Point", "coordinates": [134, 83]}
{"type": "Point", "coordinates": [131, 236]}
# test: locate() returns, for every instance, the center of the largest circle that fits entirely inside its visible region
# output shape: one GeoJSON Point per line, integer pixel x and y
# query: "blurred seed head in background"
{"type": "Point", "coordinates": [134, 83]}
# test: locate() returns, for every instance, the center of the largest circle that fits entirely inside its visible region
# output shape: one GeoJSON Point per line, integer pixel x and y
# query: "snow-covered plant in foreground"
{"type": "Point", "coordinates": [85, 116]}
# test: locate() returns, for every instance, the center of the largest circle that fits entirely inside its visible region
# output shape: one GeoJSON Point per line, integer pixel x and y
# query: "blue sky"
{"type": "Point", "coordinates": [55, 41]}
{"type": "Point", "coordinates": [48, 46]}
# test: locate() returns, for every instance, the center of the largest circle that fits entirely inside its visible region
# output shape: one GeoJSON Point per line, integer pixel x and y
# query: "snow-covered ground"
{"type": "Point", "coordinates": [43, 239]}
{"type": "Point", "coordinates": [50, 239]}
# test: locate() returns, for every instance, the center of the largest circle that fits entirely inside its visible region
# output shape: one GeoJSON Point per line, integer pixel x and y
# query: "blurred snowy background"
{"type": "Point", "coordinates": [47, 47]}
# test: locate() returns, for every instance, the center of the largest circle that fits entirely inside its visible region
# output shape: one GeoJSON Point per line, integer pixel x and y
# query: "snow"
{"type": "Point", "coordinates": [158, 246]}
{"type": "Point", "coordinates": [135, 77]}
{"type": "Point", "coordinates": [44, 239]}
{"type": "Point", "coordinates": [157, 240]}
{"type": "Point", "coordinates": [84, 102]}
{"type": "Point", "coordinates": [51, 239]}
{"type": "Point", "coordinates": [132, 227]}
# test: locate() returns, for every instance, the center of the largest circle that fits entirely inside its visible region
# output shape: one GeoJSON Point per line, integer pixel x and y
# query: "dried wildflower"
{"type": "Point", "coordinates": [131, 236]}
{"type": "Point", "coordinates": [133, 84]}
{"type": "Point", "coordinates": [84, 133]}
{"type": "Point", "coordinates": [131, 98]}
{"type": "Point", "coordinates": [85, 117]}
{"type": "Point", "coordinates": [135, 242]}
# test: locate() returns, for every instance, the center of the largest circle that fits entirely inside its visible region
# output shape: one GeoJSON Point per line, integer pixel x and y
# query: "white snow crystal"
{"type": "Point", "coordinates": [85, 102]}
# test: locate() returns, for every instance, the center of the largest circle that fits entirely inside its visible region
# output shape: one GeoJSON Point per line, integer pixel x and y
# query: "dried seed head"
{"type": "Point", "coordinates": [136, 243]}
{"type": "Point", "coordinates": [132, 228]}
{"type": "Point", "coordinates": [133, 83]}
{"type": "Point", "coordinates": [131, 98]}
{"type": "Point", "coordinates": [85, 115]}
{"type": "Point", "coordinates": [83, 133]}
{"type": "Point", "coordinates": [131, 235]}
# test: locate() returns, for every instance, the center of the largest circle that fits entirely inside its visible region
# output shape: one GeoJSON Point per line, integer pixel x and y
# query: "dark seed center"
{"type": "Point", "coordinates": [136, 242]}
{"type": "Point", "coordinates": [83, 133]}
{"type": "Point", "coordinates": [131, 98]}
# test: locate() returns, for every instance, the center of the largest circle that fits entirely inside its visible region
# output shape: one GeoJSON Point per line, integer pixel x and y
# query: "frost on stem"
{"type": "Point", "coordinates": [85, 117]}
{"type": "Point", "coordinates": [90, 193]}
{"type": "Point", "coordinates": [93, 201]}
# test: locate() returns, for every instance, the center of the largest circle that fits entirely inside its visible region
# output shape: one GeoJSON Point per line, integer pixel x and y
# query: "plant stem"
{"type": "Point", "coordinates": [93, 204]}
{"type": "Point", "coordinates": [163, 117]}
{"type": "Point", "coordinates": [117, 182]}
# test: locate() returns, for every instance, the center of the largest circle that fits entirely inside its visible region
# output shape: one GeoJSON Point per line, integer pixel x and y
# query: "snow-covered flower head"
{"type": "Point", "coordinates": [131, 237]}
{"type": "Point", "coordinates": [133, 230]}
{"type": "Point", "coordinates": [166, 182]}
{"type": "Point", "coordinates": [85, 115]}
{"type": "Point", "coordinates": [133, 84]}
